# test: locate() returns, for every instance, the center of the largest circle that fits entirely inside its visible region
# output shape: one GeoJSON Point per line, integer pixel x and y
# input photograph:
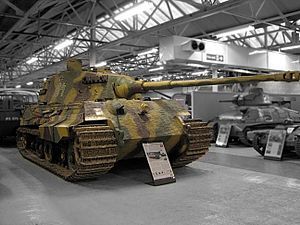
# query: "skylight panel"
{"type": "Point", "coordinates": [160, 17]}
{"type": "Point", "coordinates": [176, 13]}
{"type": "Point", "coordinates": [187, 8]}
{"type": "Point", "coordinates": [254, 43]}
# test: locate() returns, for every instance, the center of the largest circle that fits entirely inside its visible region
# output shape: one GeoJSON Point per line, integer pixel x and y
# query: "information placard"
{"type": "Point", "coordinates": [159, 163]}
{"type": "Point", "coordinates": [223, 135]}
{"type": "Point", "coordinates": [275, 144]}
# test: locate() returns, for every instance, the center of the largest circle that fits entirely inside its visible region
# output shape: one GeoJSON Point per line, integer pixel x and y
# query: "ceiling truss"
{"type": "Point", "coordinates": [92, 27]}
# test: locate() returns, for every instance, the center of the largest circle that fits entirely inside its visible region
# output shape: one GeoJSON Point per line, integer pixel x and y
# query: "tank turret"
{"type": "Point", "coordinates": [86, 120]}
{"type": "Point", "coordinates": [254, 97]}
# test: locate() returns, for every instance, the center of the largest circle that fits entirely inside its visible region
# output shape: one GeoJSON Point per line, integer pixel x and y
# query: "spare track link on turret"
{"type": "Point", "coordinates": [95, 147]}
{"type": "Point", "coordinates": [198, 139]}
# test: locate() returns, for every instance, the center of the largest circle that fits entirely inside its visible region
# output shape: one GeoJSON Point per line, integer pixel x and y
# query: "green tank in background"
{"type": "Point", "coordinates": [86, 121]}
{"type": "Point", "coordinates": [12, 102]}
{"type": "Point", "coordinates": [254, 111]}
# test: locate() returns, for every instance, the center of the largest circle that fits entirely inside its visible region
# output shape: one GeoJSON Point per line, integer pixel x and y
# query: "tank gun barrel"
{"type": "Point", "coordinates": [125, 88]}
{"type": "Point", "coordinates": [287, 77]}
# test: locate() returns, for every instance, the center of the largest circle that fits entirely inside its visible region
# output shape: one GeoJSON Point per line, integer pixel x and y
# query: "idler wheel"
{"type": "Point", "coordinates": [21, 142]}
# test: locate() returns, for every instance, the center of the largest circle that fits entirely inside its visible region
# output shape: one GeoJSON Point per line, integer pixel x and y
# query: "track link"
{"type": "Point", "coordinates": [198, 136]}
{"type": "Point", "coordinates": [93, 152]}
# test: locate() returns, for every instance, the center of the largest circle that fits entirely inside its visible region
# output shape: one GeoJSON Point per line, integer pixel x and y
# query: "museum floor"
{"type": "Point", "coordinates": [232, 186]}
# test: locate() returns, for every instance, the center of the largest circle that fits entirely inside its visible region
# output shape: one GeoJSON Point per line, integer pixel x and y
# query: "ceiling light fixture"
{"type": "Point", "coordinates": [31, 60]}
{"type": "Point", "coordinates": [257, 52]}
{"type": "Point", "coordinates": [153, 50]}
{"type": "Point", "coordinates": [156, 78]}
{"type": "Point", "coordinates": [156, 69]}
{"type": "Point", "coordinates": [63, 44]}
{"type": "Point", "coordinates": [29, 83]}
{"type": "Point", "coordinates": [196, 65]}
{"type": "Point", "coordinates": [290, 47]}
{"type": "Point", "coordinates": [198, 73]}
{"type": "Point", "coordinates": [136, 9]}
{"type": "Point", "coordinates": [236, 31]}
{"type": "Point", "coordinates": [18, 86]}
{"type": "Point", "coordinates": [100, 64]}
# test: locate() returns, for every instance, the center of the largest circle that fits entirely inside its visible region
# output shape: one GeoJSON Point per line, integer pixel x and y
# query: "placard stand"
{"type": "Point", "coordinates": [223, 135]}
{"type": "Point", "coordinates": [275, 144]}
{"type": "Point", "coordinates": [159, 164]}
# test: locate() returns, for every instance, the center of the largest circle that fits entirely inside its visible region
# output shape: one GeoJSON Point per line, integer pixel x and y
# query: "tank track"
{"type": "Point", "coordinates": [198, 137]}
{"type": "Point", "coordinates": [94, 152]}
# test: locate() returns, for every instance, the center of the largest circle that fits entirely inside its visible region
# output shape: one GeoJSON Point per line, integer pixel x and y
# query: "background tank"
{"type": "Point", "coordinates": [11, 103]}
{"type": "Point", "coordinates": [85, 121]}
{"type": "Point", "coordinates": [254, 111]}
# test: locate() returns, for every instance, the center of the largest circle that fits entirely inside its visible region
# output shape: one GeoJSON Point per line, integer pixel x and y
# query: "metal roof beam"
{"type": "Point", "coordinates": [153, 30]}
{"type": "Point", "coordinates": [22, 21]}
{"type": "Point", "coordinates": [14, 7]}
{"type": "Point", "coordinates": [192, 3]}
{"type": "Point", "coordinates": [267, 21]}
{"type": "Point", "coordinates": [56, 37]}
{"type": "Point", "coordinates": [59, 22]}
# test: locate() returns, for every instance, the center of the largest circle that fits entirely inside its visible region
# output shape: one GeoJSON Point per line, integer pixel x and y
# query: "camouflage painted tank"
{"type": "Point", "coordinates": [86, 121]}
{"type": "Point", "coordinates": [255, 111]}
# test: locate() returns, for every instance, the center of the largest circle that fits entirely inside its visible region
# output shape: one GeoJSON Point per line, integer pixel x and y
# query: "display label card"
{"type": "Point", "coordinates": [159, 163]}
{"type": "Point", "coordinates": [223, 135]}
{"type": "Point", "coordinates": [275, 144]}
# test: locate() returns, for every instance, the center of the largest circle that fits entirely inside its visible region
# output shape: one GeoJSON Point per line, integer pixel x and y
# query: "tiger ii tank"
{"type": "Point", "coordinates": [85, 121]}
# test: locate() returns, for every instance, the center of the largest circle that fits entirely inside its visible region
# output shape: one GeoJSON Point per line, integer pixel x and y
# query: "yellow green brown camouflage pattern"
{"type": "Point", "coordinates": [87, 120]}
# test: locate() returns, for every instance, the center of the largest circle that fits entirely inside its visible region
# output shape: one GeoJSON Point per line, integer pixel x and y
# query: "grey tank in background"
{"type": "Point", "coordinates": [255, 111]}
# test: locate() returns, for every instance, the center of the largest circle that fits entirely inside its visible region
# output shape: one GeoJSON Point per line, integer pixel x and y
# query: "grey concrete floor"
{"type": "Point", "coordinates": [231, 186]}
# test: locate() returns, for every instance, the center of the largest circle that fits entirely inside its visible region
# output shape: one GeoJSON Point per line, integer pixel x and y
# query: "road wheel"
{"type": "Point", "coordinates": [48, 151]}
{"type": "Point", "coordinates": [40, 149]}
{"type": "Point", "coordinates": [73, 154]}
{"type": "Point", "coordinates": [297, 146]}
